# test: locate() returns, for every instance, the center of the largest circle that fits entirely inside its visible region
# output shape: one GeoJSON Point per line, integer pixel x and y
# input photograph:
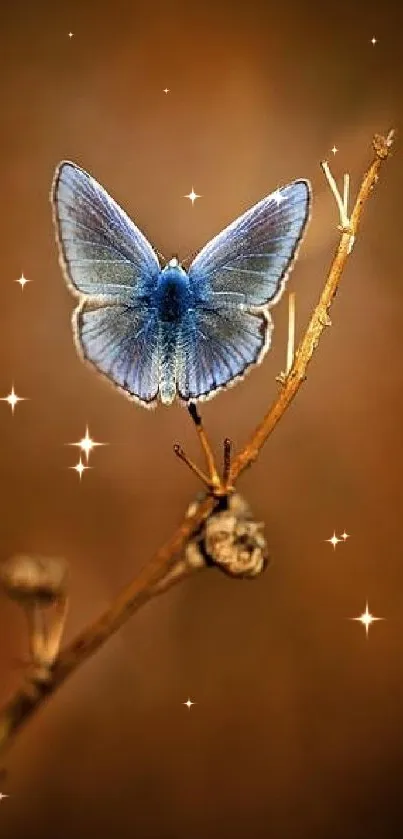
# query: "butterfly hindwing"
{"type": "Point", "coordinates": [121, 342]}
{"type": "Point", "coordinates": [216, 347]}
{"type": "Point", "coordinates": [249, 260]}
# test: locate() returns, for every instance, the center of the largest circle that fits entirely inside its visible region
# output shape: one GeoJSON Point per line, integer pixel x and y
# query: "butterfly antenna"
{"type": "Point", "coordinates": [161, 256]}
{"type": "Point", "coordinates": [189, 257]}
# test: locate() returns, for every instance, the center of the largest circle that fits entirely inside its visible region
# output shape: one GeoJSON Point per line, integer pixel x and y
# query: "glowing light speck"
{"type": "Point", "coordinates": [277, 197]}
{"type": "Point", "coordinates": [189, 704]}
{"type": "Point", "coordinates": [12, 399]}
{"type": "Point", "coordinates": [87, 444]}
{"type": "Point", "coordinates": [192, 196]}
{"type": "Point", "coordinates": [22, 281]}
{"type": "Point", "coordinates": [334, 541]}
{"type": "Point", "coordinates": [367, 619]}
{"type": "Point", "coordinates": [80, 467]}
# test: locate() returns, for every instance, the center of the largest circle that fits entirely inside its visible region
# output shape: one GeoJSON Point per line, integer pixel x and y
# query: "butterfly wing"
{"type": "Point", "coordinates": [122, 343]}
{"type": "Point", "coordinates": [236, 278]}
{"type": "Point", "coordinates": [110, 265]}
{"type": "Point", "coordinates": [216, 347]}
{"type": "Point", "coordinates": [248, 262]}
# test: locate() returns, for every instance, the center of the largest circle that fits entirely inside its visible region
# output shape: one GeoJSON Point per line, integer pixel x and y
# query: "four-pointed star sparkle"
{"type": "Point", "coordinates": [334, 541]}
{"type": "Point", "coordinates": [366, 619]}
{"type": "Point", "coordinates": [373, 41]}
{"type": "Point", "coordinates": [277, 197]}
{"type": "Point", "coordinates": [192, 196]}
{"type": "Point", "coordinates": [334, 150]}
{"type": "Point", "coordinates": [86, 444]}
{"type": "Point", "coordinates": [12, 399]}
{"type": "Point", "coordinates": [166, 90]}
{"type": "Point", "coordinates": [22, 281]}
{"type": "Point", "coordinates": [189, 704]}
{"type": "Point", "coordinates": [80, 467]}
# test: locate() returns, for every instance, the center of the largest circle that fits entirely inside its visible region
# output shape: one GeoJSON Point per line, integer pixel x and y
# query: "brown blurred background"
{"type": "Point", "coordinates": [297, 728]}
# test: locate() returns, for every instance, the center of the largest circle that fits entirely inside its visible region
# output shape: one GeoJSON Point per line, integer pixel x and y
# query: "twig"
{"type": "Point", "coordinates": [319, 319]}
{"type": "Point", "coordinates": [346, 188]}
{"type": "Point", "coordinates": [164, 569]}
{"type": "Point", "coordinates": [215, 480]}
{"type": "Point", "coordinates": [192, 466]}
{"type": "Point", "coordinates": [227, 461]}
{"type": "Point", "coordinates": [344, 219]}
{"type": "Point", "coordinates": [291, 332]}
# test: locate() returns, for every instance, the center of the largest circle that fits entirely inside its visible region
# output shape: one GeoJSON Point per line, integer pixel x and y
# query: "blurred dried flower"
{"type": "Point", "coordinates": [34, 578]}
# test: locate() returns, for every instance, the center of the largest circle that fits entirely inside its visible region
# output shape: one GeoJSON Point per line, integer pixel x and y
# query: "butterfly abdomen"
{"type": "Point", "coordinates": [167, 345]}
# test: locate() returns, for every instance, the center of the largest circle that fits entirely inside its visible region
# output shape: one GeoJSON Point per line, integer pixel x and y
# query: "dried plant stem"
{"type": "Point", "coordinates": [319, 319]}
{"type": "Point", "coordinates": [291, 332]}
{"type": "Point", "coordinates": [164, 569]}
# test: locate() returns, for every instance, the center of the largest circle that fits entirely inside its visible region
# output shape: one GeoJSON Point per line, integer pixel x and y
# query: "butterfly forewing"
{"type": "Point", "coordinates": [252, 256]}
{"type": "Point", "coordinates": [102, 251]}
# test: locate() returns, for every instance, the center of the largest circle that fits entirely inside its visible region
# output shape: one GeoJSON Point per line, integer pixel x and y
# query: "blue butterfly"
{"type": "Point", "coordinates": [163, 332]}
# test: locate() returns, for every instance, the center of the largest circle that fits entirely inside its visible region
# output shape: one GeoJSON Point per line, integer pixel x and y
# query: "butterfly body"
{"type": "Point", "coordinates": [163, 332]}
{"type": "Point", "coordinates": [174, 295]}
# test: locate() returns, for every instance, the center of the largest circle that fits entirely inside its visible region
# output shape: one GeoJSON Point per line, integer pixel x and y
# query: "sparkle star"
{"type": "Point", "coordinates": [12, 399]}
{"type": "Point", "coordinates": [334, 541]}
{"type": "Point", "coordinates": [192, 196]}
{"type": "Point", "coordinates": [166, 90]}
{"type": "Point", "coordinates": [277, 197]}
{"type": "Point", "coordinates": [86, 444]}
{"type": "Point", "coordinates": [344, 536]}
{"type": "Point", "coordinates": [80, 467]}
{"type": "Point", "coordinates": [334, 150]}
{"type": "Point", "coordinates": [366, 619]}
{"type": "Point", "coordinates": [189, 704]}
{"type": "Point", "coordinates": [373, 41]}
{"type": "Point", "coordinates": [22, 281]}
{"type": "Point", "coordinates": [71, 34]}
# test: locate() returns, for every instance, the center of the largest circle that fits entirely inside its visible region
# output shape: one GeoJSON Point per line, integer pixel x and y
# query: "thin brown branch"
{"type": "Point", "coordinates": [164, 569]}
{"type": "Point", "coordinates": [291, 332]}
{"type": "Point", "coordinates": [319, 319]}
{"type": "Point", "coordinates": [181, 454]}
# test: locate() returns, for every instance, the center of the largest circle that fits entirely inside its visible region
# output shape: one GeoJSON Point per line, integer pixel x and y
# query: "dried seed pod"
{"type": "Point", "coordinates": [230, 539]}
{"type": "Point", "coordinates": [34, 579]}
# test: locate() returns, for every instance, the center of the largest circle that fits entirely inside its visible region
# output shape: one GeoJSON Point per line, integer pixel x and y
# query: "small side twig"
{"type": "Point", "coordinates": [341, 202]}
{"type": "Point", "coordinates": [227, 461]}
{"type": "Point", "coordinates": [217, 486]}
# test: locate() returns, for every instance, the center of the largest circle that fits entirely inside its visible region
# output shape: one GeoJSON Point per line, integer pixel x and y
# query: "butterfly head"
{"type": "Point", "coordinates": [174, 272]}
{"type": "Point", "coordinates": [173, 263]}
